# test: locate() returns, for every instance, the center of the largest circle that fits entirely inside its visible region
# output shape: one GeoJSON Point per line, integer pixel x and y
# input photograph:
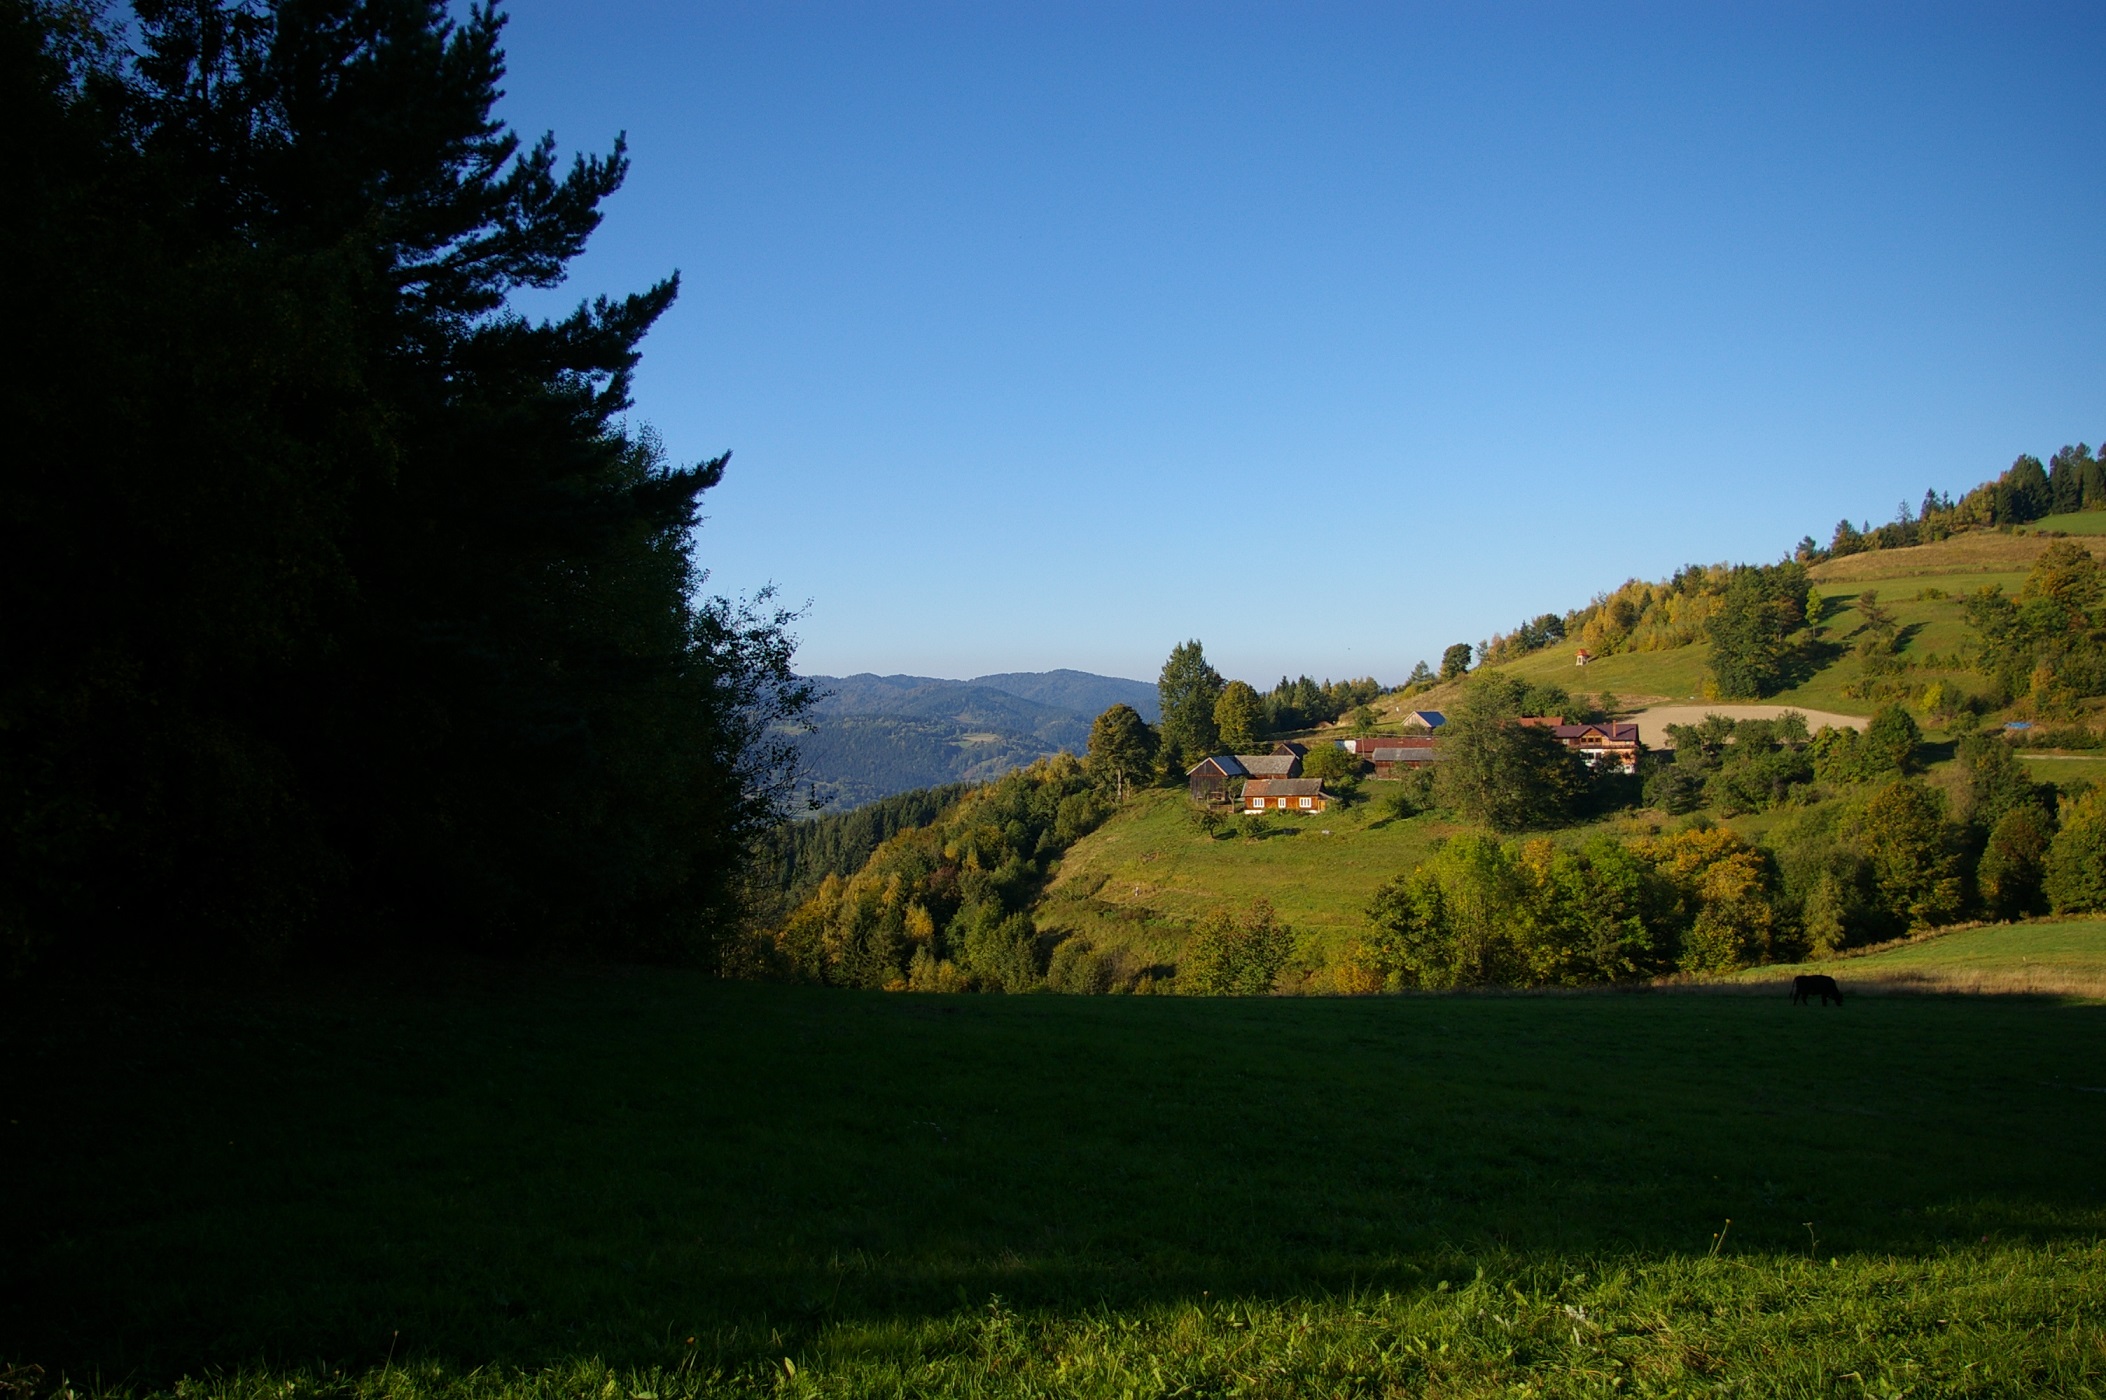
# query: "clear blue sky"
{"type": "Point", "coordinates": [1052, 335]}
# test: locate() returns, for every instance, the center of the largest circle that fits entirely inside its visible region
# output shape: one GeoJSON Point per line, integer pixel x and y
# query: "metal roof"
{"type": "Point", "coordinates": [1284, 787]}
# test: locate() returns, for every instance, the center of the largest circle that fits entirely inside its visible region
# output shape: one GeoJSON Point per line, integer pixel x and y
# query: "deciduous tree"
{"type": "Point", "coordinates": [2076, 863]}
{"type": "Point", "coordinates": [1238, 716]}
{"type": "Point", "coordinates": [1121, 749]}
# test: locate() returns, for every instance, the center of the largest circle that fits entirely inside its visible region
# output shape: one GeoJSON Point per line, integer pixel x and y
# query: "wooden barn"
{"type": "Point", "coordinates": [1209, 779]}
{"type": "Point", "coordinates": [1271, 765]}
{"type": "Point", "coordinates": [1303, 795]}
{"type": "Point", "coordinates": [1392, 754]}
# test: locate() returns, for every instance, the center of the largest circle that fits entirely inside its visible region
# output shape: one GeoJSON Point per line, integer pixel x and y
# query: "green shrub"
{"type": "Point", "coordinates": [2076, 863]}
{"type": "Point", "coordinates": [1230, 957]}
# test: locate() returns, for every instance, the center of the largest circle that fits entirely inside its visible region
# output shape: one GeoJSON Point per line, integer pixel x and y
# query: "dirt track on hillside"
{"type": "Point", "coordinates": [1652, 723]}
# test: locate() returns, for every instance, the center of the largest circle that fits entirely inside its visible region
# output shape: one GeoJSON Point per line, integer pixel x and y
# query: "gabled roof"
{"type": "Point", "coordinates": [1284, 787]}
{"type": "Point", "coordinates": [1407, 754]}
{"type": "Point", "coordinates": [1607, 732]}
{"type": "Point", "coordinates": [1432, 719]}
{"type": "Point", "coordinates": [1269, 765]}
{"type": "Point", "coordinates": [1289, 746]}
{"type": "Point", "coordinates": [1224, 764]}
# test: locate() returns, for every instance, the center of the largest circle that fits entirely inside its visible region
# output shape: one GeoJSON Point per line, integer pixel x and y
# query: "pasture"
{"type": "Point", "coordinates": [639, 1185]}
{"type": "Point", "coordinates": [2063, 957]}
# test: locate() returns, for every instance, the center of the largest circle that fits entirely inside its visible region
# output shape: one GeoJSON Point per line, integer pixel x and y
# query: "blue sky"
{"type": "Point", "coordinates": [1052, 335]}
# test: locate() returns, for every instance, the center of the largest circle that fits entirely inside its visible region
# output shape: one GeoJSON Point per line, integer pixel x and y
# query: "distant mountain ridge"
{"type": "Point", "coordinates": [878, 735]}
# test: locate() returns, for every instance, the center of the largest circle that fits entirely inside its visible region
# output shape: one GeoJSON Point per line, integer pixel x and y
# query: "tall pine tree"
{"type": "Point", "coordinates": [339, 600]}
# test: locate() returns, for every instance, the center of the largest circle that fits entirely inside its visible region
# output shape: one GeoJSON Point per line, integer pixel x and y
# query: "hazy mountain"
{"type": "Point", "coordinates": [878, 735]}
{"type": "Point", "coordinates": [1078, 691]}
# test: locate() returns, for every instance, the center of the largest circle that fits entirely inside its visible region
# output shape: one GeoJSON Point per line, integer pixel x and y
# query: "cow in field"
{"type": "Point", "coordinates": [1806, 988]}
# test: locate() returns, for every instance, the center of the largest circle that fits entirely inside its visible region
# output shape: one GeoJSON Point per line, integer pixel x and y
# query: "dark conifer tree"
{"type": "Point", "coordinates": [337, 596]}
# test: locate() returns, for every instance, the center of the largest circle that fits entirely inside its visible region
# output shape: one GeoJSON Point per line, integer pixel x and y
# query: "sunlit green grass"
{"type": "Point", "coordinates": [504, 1182]}
{"type": "Point", "coordinates": [2067, 954]}
{"type": "Point", "coordinates": [1147, 874]}
{"type": "Point", "coordinates": [2089, 522]}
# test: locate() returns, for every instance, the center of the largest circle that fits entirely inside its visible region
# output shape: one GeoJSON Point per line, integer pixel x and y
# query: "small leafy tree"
{"type": "Point", "coordinates": [1230, 957]}
{"type": "Point", "coordinates": [1455, 661]}
{"type": "Point", "coordinates": [2013, 868]}
{"type": "Point", "coordinates": [1121, 749]}
{"type": "Point", "coordinates": [1330, 762]}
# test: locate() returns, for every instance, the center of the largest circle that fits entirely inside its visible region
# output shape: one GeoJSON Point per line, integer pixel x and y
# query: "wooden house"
{"type": "Point", "coordinates": [1271, 765]}
{"type": "Point", "coordinates": [1208, 780]}
{"type": "Point", "coordinates": [1428, 720]}
{"type": "Point", "coordinates": [1281, 746]}
{"type": "Point", "coordinates": [1608, 741]}
{"type": "Point", "coordinates": [1303, 795]}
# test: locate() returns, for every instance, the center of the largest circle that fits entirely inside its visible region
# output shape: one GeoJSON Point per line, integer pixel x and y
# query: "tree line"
{"type": "Point", "coordinates": [341, 603]}
{"type": "Point", "coordinates": [2072, 481]}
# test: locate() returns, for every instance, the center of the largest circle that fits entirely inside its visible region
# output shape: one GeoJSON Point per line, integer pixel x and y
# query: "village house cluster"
{"type": "Point", "coordinates": [1273, 782]}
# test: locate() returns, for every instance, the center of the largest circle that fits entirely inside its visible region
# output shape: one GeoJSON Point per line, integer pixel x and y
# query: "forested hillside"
{"type": "Point", "coordinates": [877, 735]}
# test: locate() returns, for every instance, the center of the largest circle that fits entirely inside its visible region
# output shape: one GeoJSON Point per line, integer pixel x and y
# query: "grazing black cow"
{"type": "Point", "coordinates": [1808, 987]}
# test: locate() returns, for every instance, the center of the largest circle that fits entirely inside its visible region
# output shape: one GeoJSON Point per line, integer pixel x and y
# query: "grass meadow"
{"type": "Point", "coordinates": [2061, 957]}
{"type": "Point", "coordinates": [640, 1185]}
{"type": "Point", "coordinates": [1144, 877]}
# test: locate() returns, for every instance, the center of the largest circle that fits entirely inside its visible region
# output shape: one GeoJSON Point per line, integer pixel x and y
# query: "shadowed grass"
{"type": "Point", "coordinates": [507, 1181]}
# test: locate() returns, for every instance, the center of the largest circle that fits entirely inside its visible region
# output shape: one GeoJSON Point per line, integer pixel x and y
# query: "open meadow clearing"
{"type": "Point", "coordinates": [503, 1181]}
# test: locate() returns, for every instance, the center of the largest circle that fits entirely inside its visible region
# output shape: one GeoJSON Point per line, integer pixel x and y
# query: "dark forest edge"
{"type": "Point", "coordinates": [342, 606]}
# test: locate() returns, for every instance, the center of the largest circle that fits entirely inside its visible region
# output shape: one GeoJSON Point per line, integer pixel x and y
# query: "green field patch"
{"type": "Point", "coordinates": [635, 1185]}
{"type": "Point", "coordinates": [2088, 522]}
{"type": "Point", "coordinates": [2057, 958]}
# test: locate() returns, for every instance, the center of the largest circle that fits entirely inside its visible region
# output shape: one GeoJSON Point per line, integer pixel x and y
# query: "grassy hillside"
{"type": "Point", "coordinates": [1142, 878]}
{"type": "Point", "coordinates": [1923, 586]}
{"type": "Point", "coordinates": [647, 1185]}
{"type": "Point", "coordinates": [2066, 957]}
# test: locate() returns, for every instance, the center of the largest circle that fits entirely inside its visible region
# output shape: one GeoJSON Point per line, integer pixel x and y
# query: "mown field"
{"type": "Point", "coordinates": [642, 1185]}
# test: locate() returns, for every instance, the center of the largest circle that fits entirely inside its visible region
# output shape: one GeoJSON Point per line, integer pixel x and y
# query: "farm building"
{"type": "Point", "coordinates": [1209, 778]}
{"type": "Point", "coordinates": [1424, 719]}
{"type": "Point", "coordinates": [1389, 756]}
{"type": "Point", "coordinates": [1281, 746]}
{"type": "Point", "coordinates": [1618, 743]}
{"type": "Point", "coordinates": [1271, 765]}
{"type": "Point", "coordinates": [1304, 795]}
